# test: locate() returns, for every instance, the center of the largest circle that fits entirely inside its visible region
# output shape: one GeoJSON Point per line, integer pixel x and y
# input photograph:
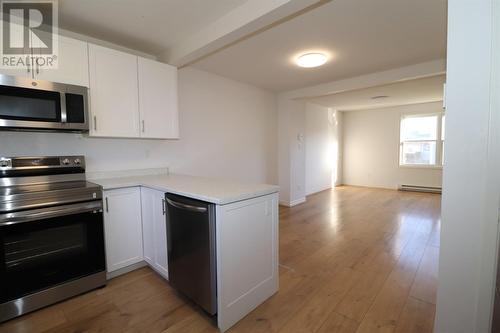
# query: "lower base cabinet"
{"type": "Point", "coordinates": [154, 225]}
{"type": "Point", "coordinates": [247, 256]}
{"type": "Point", "coordinates": [246, 245]}
{"type": "Point", "coordinates": [122, 227]}
{"type": "Point", "coordinates": [135, 229]}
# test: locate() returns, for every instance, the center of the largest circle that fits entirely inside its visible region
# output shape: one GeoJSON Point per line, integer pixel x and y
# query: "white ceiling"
{"type": "Point", "coordinates": [150, 26]}
{"type": "Point", "coordinates": [363, 36]}
{"type": "Point", "coordinates": [401, 93]}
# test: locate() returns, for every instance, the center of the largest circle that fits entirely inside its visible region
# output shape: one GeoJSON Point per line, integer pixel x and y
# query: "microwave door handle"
{"type": "Point", "coordinates": [50, 212]}
{"type": "Point", "coordinates": [64, 115]}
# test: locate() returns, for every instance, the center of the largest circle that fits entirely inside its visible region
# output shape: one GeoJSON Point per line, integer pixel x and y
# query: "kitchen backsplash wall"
{"type": "Point", "coordinates": [228, 129]}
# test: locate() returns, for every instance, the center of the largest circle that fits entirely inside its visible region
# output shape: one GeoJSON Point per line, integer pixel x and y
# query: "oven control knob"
{"type": "Point", "coordinates": [77, 161]}
{"type": "Point", "coordinates": [65, 161]}
{"type": "Point", "coordinates": [4, 163]}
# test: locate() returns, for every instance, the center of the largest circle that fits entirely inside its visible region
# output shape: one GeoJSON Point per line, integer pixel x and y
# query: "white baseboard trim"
{"type": "Point", "coordinates": [293, 203]}
{"type": "Point", "coordinates": [125, 270]}
{"type": "Point", "coordinates": [319, 190]}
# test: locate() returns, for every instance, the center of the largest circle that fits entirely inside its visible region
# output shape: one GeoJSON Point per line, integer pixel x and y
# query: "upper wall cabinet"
{"type": "Point", "coordinates": [158, 99]}
{"type": "Point", "coordinates": [72, 65]}
{"type": "Point", "coordinates": [131, 97]}
{"type": "Point", "coordinates": [113, 93]}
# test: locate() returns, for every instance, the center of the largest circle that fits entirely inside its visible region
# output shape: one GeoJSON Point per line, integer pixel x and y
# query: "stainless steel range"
{"type": "Point", "coordinates": [51, 232]}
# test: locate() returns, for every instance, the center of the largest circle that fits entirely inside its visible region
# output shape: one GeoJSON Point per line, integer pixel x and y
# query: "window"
{"type": "Point", "coordinates": [421, 141]}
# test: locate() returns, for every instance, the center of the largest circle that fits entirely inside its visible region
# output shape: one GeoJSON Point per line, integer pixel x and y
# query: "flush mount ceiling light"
{"type": "Point", "coordinates": [310, 60]}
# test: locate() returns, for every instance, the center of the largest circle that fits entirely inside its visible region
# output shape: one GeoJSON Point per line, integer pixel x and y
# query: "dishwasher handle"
{"type": "Point", "coordinates": [183, 206]}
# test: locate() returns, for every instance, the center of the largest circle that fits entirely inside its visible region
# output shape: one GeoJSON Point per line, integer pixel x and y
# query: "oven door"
{"type": "Point", "coordinates": [45, 247]}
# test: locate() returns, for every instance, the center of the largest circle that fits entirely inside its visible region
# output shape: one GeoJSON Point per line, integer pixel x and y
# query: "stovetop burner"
{"type": "Point", "coordinates": [34, 182]}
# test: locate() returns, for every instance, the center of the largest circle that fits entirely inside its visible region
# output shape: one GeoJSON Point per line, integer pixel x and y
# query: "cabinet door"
{"type": "Point", "coordinates": [72, 64]}
{"type": "Point", "coordinates": [154, 230]}
{"type": "Point", "coordinates": [113, 93]}
{"type": "Point", "coordinates": [22, 71]}
{"type": "Point", "coordinates": [158, 99]}
{"type": "Point", "coordinates": [148, 216]}
{"type": "Point", "coordinates": [247, 256]}
{"type": "Point", "coordinates": [160, 227]}
{"type": "Point", "coordinates": [123, 227]}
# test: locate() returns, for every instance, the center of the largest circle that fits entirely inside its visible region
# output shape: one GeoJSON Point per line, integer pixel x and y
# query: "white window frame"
{"type": "Point", "coordinates": [439, 141]}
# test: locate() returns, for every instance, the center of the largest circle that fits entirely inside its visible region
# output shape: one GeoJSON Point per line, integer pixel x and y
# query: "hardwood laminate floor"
{"type": "Point", "coordinates": [351, 260]}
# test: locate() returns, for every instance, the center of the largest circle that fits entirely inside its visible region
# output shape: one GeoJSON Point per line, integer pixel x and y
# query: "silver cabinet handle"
{"type": "Point", "coordinates": [37, 66]}
{"type": "Point", "coordinates": [107, 205]}
{"type": "Point", "coordinates": [95, 123]}
{"type": "Point", "coordinates": [143, 128]}
{"type": "Point", "coordinates": [186, 207]}
{"type": "Point", "coordinates": [163, 206]}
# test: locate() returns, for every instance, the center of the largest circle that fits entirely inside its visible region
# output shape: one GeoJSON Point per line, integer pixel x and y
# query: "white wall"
{"type": "Point", "coordinates": [471, 182]}
{"type": "Point", "coordinates": [321, 148]}
{"type": "Point", "coordinates": [371, 149]}
{"type": "Point", "coordinates": [292, 118]}
{"type": "Point", "coordinates": [228, 129]}
{"type": "Point", "coordinates": [291, 111]}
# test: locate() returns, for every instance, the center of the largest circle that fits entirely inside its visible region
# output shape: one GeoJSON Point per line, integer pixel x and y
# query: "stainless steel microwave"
{"type": "Point", "coordinates": [37, 105]}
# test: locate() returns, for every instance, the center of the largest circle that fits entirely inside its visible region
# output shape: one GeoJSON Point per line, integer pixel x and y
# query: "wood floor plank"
{"type": "Point", "coordinates": [311, 316]}
{"type": "Point", "coordinates": [425, 285]}
{"type": "Point", "coordinates": [386, 309]}
{"type": "Point", "coordinates": [361, 296]}
{"type": "Point", "coordinates": [417, 317]}
{"type": "Point", "coordinates": [336, 323]}
{"type": "Point", "coordinates": [352, 259]}
{"type": "Point", "coordinates": [36, 322]}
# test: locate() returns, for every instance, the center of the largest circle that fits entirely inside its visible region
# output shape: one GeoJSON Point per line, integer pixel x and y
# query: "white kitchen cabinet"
{"type": "Point", "coordinates": [72, 67]}
{"type": "Point", "coordinates": [148, 199]}
{"type": "Point", "coordinates": [25, 71]}
{"type": "Point", "coordinates": [247, 256]}
{"type": "Point", "coordinates": [122, 227]}
{"type": "Point", "coordinates": [154, 230]}
{"type": "Point", "coordinates": [113, 93]}
{"type": "Point", "coordinates": [158, 99]}
{"type": "Point", "coordinates": [22, 71]}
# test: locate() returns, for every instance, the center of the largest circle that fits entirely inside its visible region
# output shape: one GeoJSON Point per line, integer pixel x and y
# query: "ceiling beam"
{"type": "Point", "coordinates": [421, 70]}
{"type": "Point", "coordinates": [244, 21]}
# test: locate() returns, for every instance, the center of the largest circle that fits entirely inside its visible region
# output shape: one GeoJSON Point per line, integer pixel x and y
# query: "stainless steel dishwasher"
{"type": "Point", "coordinates": [191, 250]}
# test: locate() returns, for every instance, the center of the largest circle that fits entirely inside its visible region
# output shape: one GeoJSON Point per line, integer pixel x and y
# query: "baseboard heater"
{"type": "Point", "coordinates": [418, 188]}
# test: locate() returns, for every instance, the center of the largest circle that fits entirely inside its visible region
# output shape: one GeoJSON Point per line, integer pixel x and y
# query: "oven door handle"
{"type": "Point", "coordinates": [49, 212]}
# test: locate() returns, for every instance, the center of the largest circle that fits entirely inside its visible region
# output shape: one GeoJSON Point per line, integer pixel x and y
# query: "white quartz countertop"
{"type": "Point", "coordinates": [217, 191]}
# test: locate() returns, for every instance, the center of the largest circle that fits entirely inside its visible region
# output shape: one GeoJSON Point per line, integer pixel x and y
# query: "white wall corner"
{"type": "Point", "coordinates": [471, 186]}
{"type": "Point", "coordinates": [292, 203]}
{"type": "Point", "coordinates": [291, 149]}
